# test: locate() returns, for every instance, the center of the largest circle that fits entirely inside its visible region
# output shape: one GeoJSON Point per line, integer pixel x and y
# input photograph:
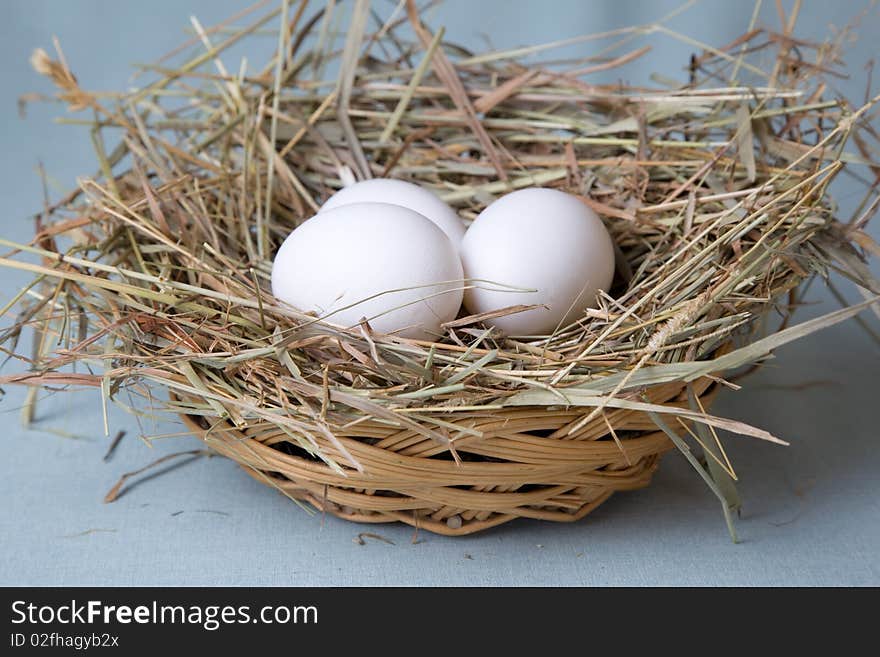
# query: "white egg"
{"type": "Point", "coordinates": [400, 192]}
{"type": "Point", "coordinates": [542, 240]}
{"type": "Point", "coordinates": [354, 262]}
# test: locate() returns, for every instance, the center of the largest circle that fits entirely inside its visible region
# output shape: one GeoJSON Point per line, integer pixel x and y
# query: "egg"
{"type": "Point", "coordinates": [536, 246]}
{"type": "Point", "coordinates": [400, 192]}
{"type": "Point", "coordinates": [378, 261]}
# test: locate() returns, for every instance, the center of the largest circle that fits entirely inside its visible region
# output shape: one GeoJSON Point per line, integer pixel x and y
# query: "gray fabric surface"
{"type": "Point", "coordinates": [810, 510]}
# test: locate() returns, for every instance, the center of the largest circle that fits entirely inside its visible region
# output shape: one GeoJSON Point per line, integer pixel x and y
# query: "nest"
{"type": "Point", "coordinates": [154, 273]}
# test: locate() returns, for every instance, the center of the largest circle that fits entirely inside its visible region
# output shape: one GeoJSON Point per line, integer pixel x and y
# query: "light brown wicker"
{"type": "Point", "coordinates": [525, 465]}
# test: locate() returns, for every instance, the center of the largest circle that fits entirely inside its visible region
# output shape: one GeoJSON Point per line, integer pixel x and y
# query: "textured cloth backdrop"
{"type": "Point", "coordinates": [810, 510]}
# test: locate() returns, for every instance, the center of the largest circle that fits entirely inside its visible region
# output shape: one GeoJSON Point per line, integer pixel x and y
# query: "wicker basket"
{"type": "Point", "coordinates": [526, 464]}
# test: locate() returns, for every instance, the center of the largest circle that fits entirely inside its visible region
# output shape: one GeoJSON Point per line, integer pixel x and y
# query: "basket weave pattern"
{"type": "Point", "coordinates": [527, 464]}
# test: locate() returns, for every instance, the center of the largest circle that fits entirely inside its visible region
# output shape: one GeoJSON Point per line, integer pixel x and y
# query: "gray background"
{"type": "Point", "coordinates": [810, 510]}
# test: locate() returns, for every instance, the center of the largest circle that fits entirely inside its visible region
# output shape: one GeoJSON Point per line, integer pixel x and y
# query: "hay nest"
{"type": "Point", "coordinates": [155, 271]}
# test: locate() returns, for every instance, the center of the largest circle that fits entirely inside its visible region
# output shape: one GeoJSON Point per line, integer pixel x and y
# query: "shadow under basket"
{"type": "Point", "coordinates": [518, 462]}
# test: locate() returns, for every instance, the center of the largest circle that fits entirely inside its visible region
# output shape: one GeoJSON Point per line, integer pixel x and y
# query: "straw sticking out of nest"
{"type": "Point", "coordinates": [156, 270]}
